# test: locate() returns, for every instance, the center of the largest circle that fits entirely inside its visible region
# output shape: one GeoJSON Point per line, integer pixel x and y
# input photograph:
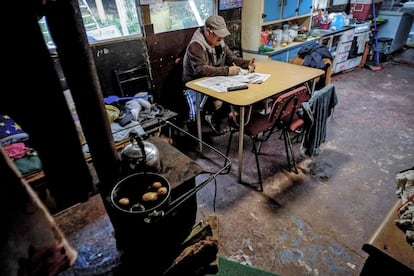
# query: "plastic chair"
{"type": "Point", "coordinates": [283, 116]}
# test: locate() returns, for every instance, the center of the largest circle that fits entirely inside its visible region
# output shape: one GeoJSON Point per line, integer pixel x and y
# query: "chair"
{"type": "Point", "coordinates": [283, 116]}
{"type": "Point", "coordinates": [323, 80]}
{"type": "Point", "coordinates": [133, 80]}
{"type": "Point", "coordinates": [315, 55]}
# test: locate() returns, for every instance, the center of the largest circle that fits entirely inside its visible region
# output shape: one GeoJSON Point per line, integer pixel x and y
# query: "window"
{"type": "Point", "coordinates": [110, 19]}
{"type": "Point", "coordinates": [176, 15]}
{"type": "Point", "coordinates": [104, 19]}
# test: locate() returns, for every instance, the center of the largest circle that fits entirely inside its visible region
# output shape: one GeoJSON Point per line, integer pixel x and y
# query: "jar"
{"type": "Point", "coordinates": [285, 33]}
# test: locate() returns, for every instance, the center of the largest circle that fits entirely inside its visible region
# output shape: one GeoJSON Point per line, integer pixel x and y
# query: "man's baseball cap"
{"type": "Point", "coordinates": [217, 25]}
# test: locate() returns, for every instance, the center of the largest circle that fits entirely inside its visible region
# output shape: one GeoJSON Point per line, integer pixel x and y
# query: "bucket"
{"type": "Point", "coordinates": [384, 45]}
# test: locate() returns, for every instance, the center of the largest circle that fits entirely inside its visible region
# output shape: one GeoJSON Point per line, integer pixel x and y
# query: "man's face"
{"type": "Point", "coordinates": [212, 38]}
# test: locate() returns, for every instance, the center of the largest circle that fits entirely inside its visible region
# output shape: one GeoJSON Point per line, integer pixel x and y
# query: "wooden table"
{"type": "Point", "coordinates": [283, 76]}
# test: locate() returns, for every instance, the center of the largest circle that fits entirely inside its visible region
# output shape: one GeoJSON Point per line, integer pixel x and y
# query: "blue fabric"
{"type": "Point", "coordinates": [10, 131]}
{"type": "Point", "coordinates": [190, 96]}
{"type": "Point", "coordinates": [313, 55]}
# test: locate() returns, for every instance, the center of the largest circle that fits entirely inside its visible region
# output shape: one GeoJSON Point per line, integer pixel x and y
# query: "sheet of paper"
{"type": "Point", "coordinates": [221, 83]}
{"type": "Point", "coordinates": [251, 77]}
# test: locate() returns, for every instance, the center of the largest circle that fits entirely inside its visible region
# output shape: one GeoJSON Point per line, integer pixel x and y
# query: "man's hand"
{"type": "Point", "coordinates": [252, 65]}
{"type": "Point", "coordinates": [234, 70]}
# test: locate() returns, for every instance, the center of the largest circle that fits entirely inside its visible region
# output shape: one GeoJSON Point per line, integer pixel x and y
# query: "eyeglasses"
{"type": "Point", "coordinates": [214, 34]}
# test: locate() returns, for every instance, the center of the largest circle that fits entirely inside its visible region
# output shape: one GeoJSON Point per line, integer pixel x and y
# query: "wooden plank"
{"type": "Point", "coordinates": [388, 240]}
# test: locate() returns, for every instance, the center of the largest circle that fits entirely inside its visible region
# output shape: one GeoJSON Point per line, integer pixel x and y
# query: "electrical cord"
{"type": "Point", "coordinates": [212, 175]}
{"type": "Point", "coordinates": [215, 189]}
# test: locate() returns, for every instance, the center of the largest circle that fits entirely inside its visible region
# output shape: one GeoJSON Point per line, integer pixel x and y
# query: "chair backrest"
{"type": "Point", "coordinates": [133, 80]}
{"type": "Point", "coordinates": [323, 80]}
{"type": "Point", "coordinates": [285, 106]}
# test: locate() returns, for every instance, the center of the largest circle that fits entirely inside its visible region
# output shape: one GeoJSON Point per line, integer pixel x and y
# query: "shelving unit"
{"type": "Point", "coordinates": [271, 14]}
{"type": "Point", "coordinates": [339, 44]}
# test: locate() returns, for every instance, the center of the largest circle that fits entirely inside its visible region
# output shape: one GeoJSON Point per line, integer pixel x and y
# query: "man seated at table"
{"type": "Point", "coordinates": [207, 55]}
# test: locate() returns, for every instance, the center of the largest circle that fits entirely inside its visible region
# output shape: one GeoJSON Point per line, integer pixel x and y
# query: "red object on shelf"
{"type": "Point", "coordinates": [324, 25]}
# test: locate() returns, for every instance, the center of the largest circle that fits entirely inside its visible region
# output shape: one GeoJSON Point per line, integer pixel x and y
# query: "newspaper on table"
{"type": "Point", "coordinates": [221, 83]}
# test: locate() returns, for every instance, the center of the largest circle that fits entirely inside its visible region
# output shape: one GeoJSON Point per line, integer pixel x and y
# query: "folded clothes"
{"type": "Point", "coordinates": [30, 163]}
{"type": "Point", "coordinates": [16, 150]}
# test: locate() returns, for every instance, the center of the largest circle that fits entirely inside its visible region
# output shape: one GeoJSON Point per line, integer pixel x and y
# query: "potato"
{"type": "Point", "coordinates": [150, 196]}
{"type": "Point", "coordinates": [124, 201]}
{"type": "Point", "coordinates": [156, 185]}
{"type": "Point", "coordinates": [162, 190]}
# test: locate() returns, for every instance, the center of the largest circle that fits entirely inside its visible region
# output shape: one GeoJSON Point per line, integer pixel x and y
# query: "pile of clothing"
{"type": "Point", "coordinates": [15, 140]}
{"type": "Point", "coordinates": [404, 182]}
{"type": "Point", "coordinates": [126, 116]}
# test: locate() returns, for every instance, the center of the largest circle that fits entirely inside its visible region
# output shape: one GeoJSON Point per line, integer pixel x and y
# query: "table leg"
{"type": "Point", "coordinates": [199, 132]}
{"type": "Point", "coordinates": [241, 137]}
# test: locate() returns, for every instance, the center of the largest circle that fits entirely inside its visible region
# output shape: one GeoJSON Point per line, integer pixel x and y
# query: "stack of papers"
{"type": "Point", "coordinates": [221, 83]}
{"type": "Point", "coordinates": [250, 77]}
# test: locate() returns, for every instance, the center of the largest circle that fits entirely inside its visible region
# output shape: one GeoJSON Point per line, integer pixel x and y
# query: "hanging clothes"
{"type": "Point", "coordinates": [316, 112]}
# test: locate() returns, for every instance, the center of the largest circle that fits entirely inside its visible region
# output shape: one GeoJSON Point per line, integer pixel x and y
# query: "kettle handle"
{"type": "Point", "coordinates": [142, 147]}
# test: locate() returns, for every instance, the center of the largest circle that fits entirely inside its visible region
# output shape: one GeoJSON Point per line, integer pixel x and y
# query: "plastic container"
{"type": "Point", "coordinates": [338, 22]}
{"type": "Point", "coordinates": [324, 25]}
{"type": "Point", "coordinates": [285, 33]}
{"type": "Point", "coordinates": [384, 46]}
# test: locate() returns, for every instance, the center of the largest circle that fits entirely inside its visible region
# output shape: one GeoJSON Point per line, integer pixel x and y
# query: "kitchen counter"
{"type": "Point", "coordinates": [320, 33]}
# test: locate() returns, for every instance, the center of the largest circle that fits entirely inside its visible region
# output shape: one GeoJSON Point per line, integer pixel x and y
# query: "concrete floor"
{"type": "Point", "coordinates": [313, 223]}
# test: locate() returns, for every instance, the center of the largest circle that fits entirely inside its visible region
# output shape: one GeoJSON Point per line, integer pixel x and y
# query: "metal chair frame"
{"type": "Point", "coordinates": [282, 117]}
{"type": "Point", "coordinates": [133, 80]}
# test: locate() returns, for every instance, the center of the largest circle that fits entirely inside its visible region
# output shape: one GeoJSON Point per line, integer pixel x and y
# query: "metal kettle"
{"type": "Point", "coordinates": [140, 156]}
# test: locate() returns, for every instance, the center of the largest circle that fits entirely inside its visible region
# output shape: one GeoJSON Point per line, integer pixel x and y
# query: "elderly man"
{"type": "Point", "coordinates": [207, 55]}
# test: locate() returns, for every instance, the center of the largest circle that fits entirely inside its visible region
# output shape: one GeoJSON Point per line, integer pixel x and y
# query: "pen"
{"type": "Point", "coordinates": [234, 64]}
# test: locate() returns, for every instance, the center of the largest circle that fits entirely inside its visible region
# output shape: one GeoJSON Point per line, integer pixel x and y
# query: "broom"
{"type": "Point", "coordinates": [377, 66]}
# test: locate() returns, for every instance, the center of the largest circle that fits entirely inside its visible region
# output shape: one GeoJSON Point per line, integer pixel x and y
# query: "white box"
{"type": "Point", "coordinates": [347, 35]}
{"type": "Point", "coordinates": [344, 47]}
{"type": "Point", "coordinates": [341, 57]}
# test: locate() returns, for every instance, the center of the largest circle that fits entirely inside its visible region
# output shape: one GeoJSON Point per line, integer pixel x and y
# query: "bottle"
{"type": "Point", "coordinates": [263, 38]}
{"type": "Point", "coordinates": [285, 34]}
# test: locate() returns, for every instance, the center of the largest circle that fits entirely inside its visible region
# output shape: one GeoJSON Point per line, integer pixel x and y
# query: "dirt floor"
{"type": "Point", "coordinates": [312, 223]}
